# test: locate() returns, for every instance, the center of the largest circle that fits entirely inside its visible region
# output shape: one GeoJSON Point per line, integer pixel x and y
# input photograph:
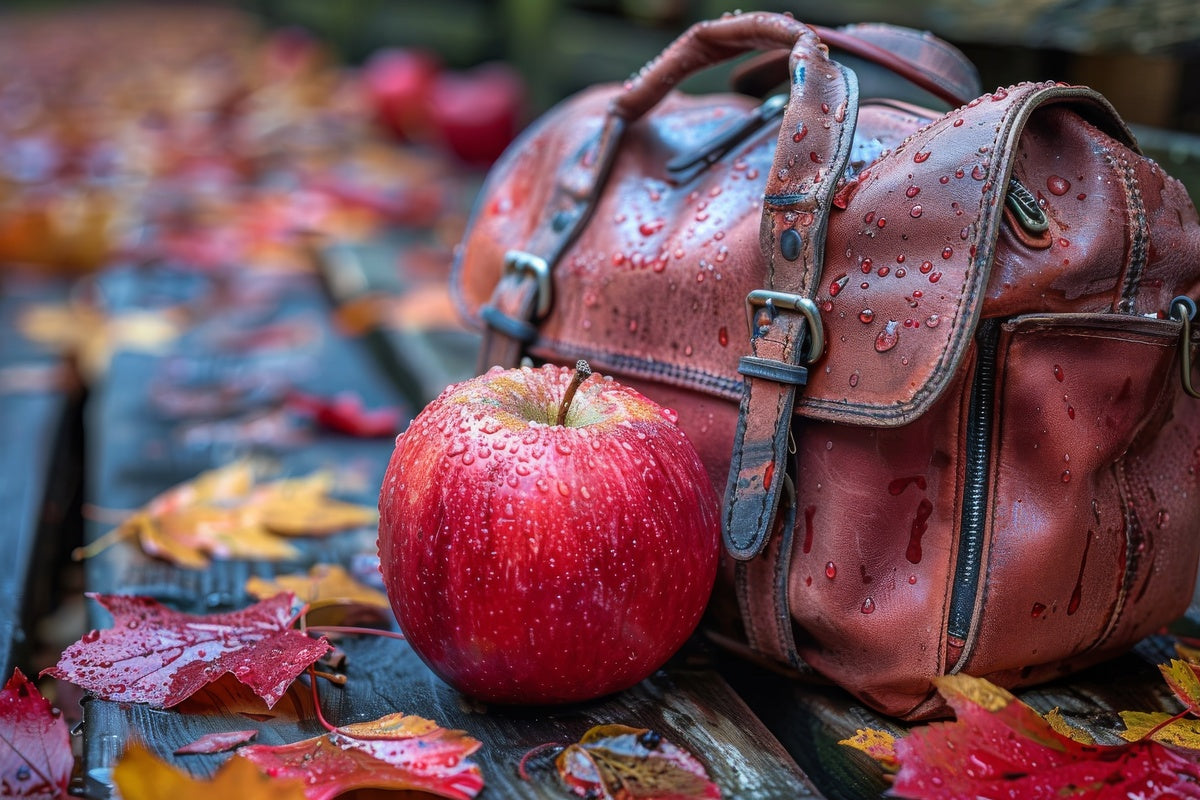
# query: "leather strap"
{"type": "Point", "coordinates": [762, 590]}
{"type": "Point", "coordinates": [524, 292]}
{"type": "Point", "coordinates": [814, 147]}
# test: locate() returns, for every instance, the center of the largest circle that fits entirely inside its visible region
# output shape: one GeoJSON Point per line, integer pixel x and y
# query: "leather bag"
{"type": "Point", "coordinates": [939, 362]}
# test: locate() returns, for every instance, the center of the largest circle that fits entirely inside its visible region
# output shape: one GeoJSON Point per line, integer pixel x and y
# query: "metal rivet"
{"type": "Point", "coordinates": [790, 244]}
{"type": "Point", "coordinates": [561, 220]}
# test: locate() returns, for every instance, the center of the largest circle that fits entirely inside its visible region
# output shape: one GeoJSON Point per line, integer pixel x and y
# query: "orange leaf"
{"type": "Point", "coordinates": [397, 751]}
{"type": "Point", "coordinates": [333, 596]}
{"type": "Point", "coordinates": [879, 745]}
{"type": "Point", "coordinates": [224, 513]}
{"type": "Point", "coordinates": [620, 761]}
{"type": "Point", "coordinates": [139, 775]}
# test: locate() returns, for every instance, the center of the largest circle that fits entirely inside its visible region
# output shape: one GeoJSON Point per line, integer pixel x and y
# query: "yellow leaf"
{"type": "Point", "coordinates": [140, 775]}
{"type": "Point", "coordinates": [91, 337]}
{"type": "Point", "coordinates": [982, 693]}
{"type": "Point", "coordinates": [879, 745]}
{"type": "Point", "coordinates": [1183, 733]}
{"type": "Point", "coordinates": [224, 513]}
{"type": "Point", "coordinates": [1181, 677]}
{"type": "Point", "coordinates": [325, 584]}
{"type": "Point", "coordinates": [1061, 726]}
{"type": "Point", "coordinates": [1187, 652]}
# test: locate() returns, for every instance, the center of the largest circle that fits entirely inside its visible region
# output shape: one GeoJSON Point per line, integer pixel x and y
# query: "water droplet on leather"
{"type": "Point", "coordinates": [883, 272]}
{"type": "Point", "coordinates": [947, 252]}
{"type": "Point", "coordinates": [881, 222]}
{"type": "Point", "coordinates": [921, 157]}
{"type": "Point", "coordinates": [900, 273]}
{"type": "Point", "coordinates": [1038, 610]}
{"type": "Point", "coordinates": [868, 606]}
{"type": "Point", "coordinates": [933, 321]}
{"type": "Point", "coordinates": [888, 337]}
{"type": "Point", "coordinates": [978, 172]}
{"type": "Point", "coordinates": [853, 380]}
{"type": "Point", "coordinates": [866, 265]}
{"type": "Point", "coordinates": [1163, 519]}
{"type": "Point", "coordinates": [1057, 185]}
{"type": "Point", "coordinates": [958, 122]}
{"type": "Point", "coordinates": [1064, 242]}
{"type": "Point", "coordinates": [723, 337]}
{"type": "Point", "coordinates": [912, 580]}
{"type": "Point", "coordinates": [869, 217]}
{"type": "Point", "coordinates": [1081, 196]}
{"type": "Point", "coordinates": [687, 351]}
{"type": "Point", "coordinates": [1066, 476]}
{"type": "Point", "coordinates": [866, 316]}
{"type": "Point", "coordinates": [837, 285]}
{"type": "Point", "coordinates": [935, 277]}
{"type": "Point", "coordinates": [915, 212]}
{"type": "Point", "coordinates": [912, 191]}
{"type": "Point", "coordinates": [830, 570]}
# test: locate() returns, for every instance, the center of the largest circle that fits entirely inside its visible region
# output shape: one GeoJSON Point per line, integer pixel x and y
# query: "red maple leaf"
{"type": "Point", "coordinates": [398, 751]}
{"type": "Point", "coordinates": [35, 748]}
{"type": "Point", "coordinates": [155, 655]}
{"type": "Point", "coordinates": [1000, 747]}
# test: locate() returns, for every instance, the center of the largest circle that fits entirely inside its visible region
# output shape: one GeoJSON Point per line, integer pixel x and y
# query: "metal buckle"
{"type": "Point", "coordinates": [1183, 310]}
{"type": "Point", "coordinates": [791, 302]}
{"type": "Point", "coordinates": [521, 261]}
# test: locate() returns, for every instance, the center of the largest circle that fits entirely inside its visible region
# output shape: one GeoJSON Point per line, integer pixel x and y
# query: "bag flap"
{"type": "Point", "coordinates": [654, 286]}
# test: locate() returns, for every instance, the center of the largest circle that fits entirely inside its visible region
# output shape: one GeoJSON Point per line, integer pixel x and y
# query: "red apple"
{"type": "Point", "coordinates": [535, 561]}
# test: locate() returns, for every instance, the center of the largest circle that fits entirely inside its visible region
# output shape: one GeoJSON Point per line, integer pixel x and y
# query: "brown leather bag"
{"type": "Point", "coordinates": [944, 350]}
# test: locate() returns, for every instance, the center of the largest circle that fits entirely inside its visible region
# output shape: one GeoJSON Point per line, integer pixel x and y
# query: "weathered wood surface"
{"type": "Point", "coordinates": [35, 396]}
{"type": "Point", "coordinates": [137, 452]}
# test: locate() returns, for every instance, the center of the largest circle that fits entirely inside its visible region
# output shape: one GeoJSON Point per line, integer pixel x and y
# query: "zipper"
{"type": "Point", "coordinates": [975, 486]}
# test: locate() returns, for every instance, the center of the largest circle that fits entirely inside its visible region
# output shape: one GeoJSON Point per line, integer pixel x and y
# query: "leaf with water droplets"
{"type": "Point", "coordinates": [620, 761]}
{"type": "Point", "coordinates": [216, 742]}
{"type": "Point", "coordinates": [398, 751]}
{"type": "Point", "coordinates": [140, 775]}
{"type": "Point", "coordinates": [35, 749]}
{"type": "Point", "coordinates": [1060, 725]}
{"type": "Point", "coordinates": [1000, 747]}
{"type": "Point", "coordinates": [153, 654]}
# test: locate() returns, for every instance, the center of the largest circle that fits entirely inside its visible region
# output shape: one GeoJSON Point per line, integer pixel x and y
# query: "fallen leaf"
{"type": "Point", "coordinates": [91, 337]}
{"type": "Point", "coordinates": [617, 761]}
{"type": "Point", "coordinates": [1181, 677]}
{"type": "Point", "coordinates": [345, 413]}
{"type": "Point", "coordinates": [35, 748]}
{"type": "Point", "coordinates": [139, 775]}
{"type": "Point", "coordinates": [1000, 747]}
{"type": "Point", "coordinates": [1188, 650]}
{"type": "Point", "coordinates": [216, 742]}
{"type": "Point", "coordinates": [1060, 725]}
{"type": "Point", "coordinates": [159, 656]}
{"type": "Point", "coordinates": [397, 751]}
{"type": "Point", "coordinates": [225, 513]}
{"type": "Point", "coordinates": [1184, 733]}
{"type": "Point", "coordinates": [879, 745]}
{"type": "Point", "coordinates": [332, 595]}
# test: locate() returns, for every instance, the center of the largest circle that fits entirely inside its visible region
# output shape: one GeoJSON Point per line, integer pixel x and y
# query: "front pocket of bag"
{"type": "Point", "coordinates": [1067, 547]}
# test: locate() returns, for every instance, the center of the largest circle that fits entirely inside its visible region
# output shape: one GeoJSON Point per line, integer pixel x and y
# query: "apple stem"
{"type": "Point", "coordinates": [582, 372]}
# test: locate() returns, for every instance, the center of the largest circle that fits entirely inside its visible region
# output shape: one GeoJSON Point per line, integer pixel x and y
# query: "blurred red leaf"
{"type": "Point", "coordinates": [35, 748]}
{"type": "Point", "coordinates": [1000, 747]}
{"type": "Point", "coordinates": [397, 751]}
{"type": "Point", "coordinates": [155, 655]}
{"type": "Point", "coordinates": [620, 761]}
{"type": "Point", "coordinates": [217, 742]}
{"type": "Point", "coordinates": [345, 413]}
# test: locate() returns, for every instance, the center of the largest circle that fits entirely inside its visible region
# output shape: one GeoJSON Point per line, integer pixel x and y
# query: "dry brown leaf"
{"type": "Point", "coordinates": [333, 596]}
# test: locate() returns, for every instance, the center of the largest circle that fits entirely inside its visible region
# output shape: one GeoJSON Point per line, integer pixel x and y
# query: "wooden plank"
{"type": "Point", "coordinates": [34, 402]}
{"type": "Point", "coordinates": [137, 453]}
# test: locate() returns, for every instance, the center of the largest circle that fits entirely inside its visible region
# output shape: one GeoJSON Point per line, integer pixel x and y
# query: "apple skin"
{"type": "Point", "coordinates": [535, 563]}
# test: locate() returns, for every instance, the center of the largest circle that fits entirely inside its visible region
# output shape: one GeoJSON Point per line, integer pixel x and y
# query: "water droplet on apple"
{"type": "Point", "coordinates": [563, 447]}
{"type": "Point", "coordinates": [670, 415]}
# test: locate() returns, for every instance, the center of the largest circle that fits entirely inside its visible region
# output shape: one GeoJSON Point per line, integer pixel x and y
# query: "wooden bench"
{"type": "Point", "coordinates": [760, 735]}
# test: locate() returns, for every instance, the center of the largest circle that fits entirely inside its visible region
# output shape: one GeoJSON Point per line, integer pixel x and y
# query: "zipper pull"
{"type": "Point", "coordinates": [715, 148]}
{"type": "Point", "coordinates": [1024, 206]}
